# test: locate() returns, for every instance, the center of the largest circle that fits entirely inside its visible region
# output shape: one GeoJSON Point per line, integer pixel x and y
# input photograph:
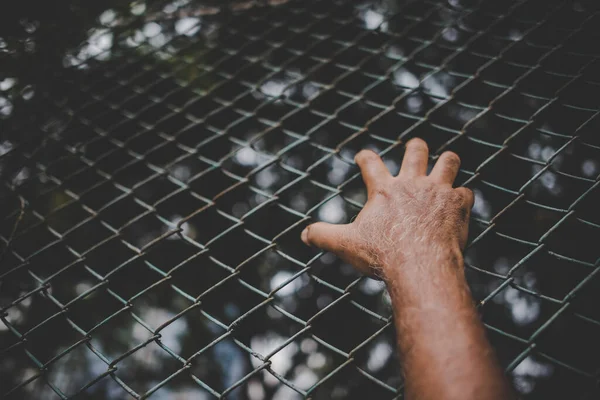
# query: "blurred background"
{"type": "Point", "coordinates": [159, 159]}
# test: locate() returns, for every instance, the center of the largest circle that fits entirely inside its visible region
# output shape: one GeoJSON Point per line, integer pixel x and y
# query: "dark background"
{"type": "Point", "coordinates": [159, 160]}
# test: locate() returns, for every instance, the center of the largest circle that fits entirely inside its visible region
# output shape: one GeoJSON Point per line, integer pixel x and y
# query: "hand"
{"type": "Point", "coordinates": [411, 233]}
{"type": "Point", "coordinates": [405, 217]}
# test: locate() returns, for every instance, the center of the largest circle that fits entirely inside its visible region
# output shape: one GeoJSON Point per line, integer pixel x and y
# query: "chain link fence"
{"type": "Point", "coordinates": [151, 214]}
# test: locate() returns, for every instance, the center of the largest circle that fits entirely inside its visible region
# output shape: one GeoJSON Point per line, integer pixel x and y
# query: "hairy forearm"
{"type": "Point", "coordinates": [442, 343]}
{"type": "Point", "coordinates": [411, 232]}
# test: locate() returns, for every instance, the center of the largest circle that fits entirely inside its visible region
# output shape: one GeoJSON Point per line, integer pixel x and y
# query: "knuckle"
{"type": "Point", "coordinates": [455, 198]}
{"type": "Point", "coordinates": [466, 194]}
{"type": "Point", "coordinates": [456, 206]}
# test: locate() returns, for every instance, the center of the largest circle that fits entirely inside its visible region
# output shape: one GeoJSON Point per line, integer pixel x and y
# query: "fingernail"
{"type": "Point", "coordinates": [304, 236]}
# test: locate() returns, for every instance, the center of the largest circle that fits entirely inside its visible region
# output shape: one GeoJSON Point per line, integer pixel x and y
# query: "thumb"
{"type": "Point", "coordinates": [328, 237]}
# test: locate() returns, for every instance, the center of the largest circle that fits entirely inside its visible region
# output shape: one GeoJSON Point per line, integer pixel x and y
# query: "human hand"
{"type": "Point", "coordinates": [405, 218]}
{"type": "Point", "coordinates": [411, 233]}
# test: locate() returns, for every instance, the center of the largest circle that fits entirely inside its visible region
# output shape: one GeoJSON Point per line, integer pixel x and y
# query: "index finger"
{"type": "Point", "coordinates": [372, 169]}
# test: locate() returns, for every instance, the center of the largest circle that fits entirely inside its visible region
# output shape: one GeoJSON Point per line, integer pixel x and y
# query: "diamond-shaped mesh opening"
{"type": "Point", "coordinates": [156, 181]}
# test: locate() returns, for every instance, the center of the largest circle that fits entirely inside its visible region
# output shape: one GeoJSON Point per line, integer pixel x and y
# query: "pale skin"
{"type": "Point", "coordinates": [411, 234]}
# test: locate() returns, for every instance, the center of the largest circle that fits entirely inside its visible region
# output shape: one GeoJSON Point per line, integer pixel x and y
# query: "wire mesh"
{"type": "Point", "coordinates": [151, 226]}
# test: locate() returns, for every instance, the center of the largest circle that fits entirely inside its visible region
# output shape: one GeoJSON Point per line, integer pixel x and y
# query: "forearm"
{"type": "Point", "coordinates": [442, 343]}
{"type": "Point", "coordinates": [411, 232]}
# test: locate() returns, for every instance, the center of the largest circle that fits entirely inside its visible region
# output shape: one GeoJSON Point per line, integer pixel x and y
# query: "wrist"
{"type": "Point", "coordinates": [433, 280]}
{"type": "Point", "coordinates": [419, 262]}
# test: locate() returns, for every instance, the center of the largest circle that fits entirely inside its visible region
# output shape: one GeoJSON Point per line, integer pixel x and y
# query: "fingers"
{"type": "Point", "coordinates": [446, 168]}
{"type": "Point", "coordinates": [328, 237]}
{"type": "Point", "coordinates": [467, 195]}
{"type": "Point", "coordinates": [372, 168]}
{"type": "Point", "coordinates": [415, 159]}
{"type": "Point", "coordinates": [337, 239]}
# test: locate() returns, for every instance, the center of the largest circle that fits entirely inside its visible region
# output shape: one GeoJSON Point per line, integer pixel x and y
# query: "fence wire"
{"type": "Point", "coordinates": [151, 230]}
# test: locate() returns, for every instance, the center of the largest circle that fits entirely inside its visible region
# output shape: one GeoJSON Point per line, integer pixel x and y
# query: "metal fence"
{"type": "Point", "coordinates": [151, 216]}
